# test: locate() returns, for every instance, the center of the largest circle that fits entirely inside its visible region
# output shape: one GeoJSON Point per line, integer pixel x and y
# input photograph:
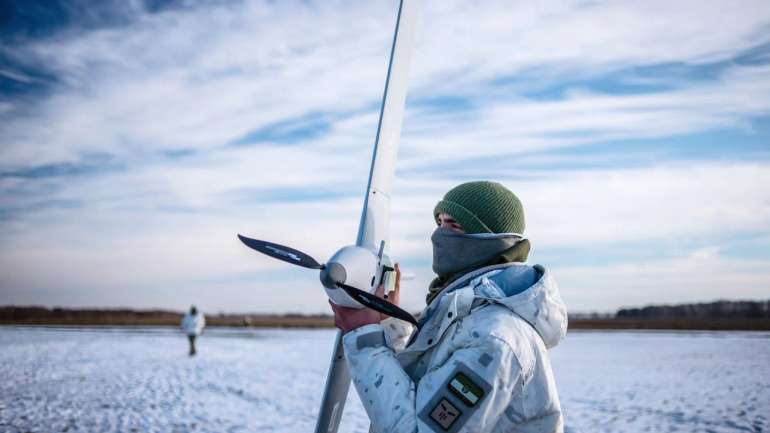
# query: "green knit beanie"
{"type": "Point", "coordinates": [483, 207]}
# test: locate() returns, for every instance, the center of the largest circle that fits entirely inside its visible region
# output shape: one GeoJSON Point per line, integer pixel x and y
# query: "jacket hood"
{"type": "Point", "coordinates": [540, 304]}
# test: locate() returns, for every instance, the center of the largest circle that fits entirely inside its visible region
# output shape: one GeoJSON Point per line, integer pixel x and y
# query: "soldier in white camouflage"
{"type": "Point", "coordinates": [479, 360]}
{"type": "Point", "coordinates": [192, 324]}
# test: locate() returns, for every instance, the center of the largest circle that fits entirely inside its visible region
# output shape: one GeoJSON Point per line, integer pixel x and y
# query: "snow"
{"type": "Point", "coordinates": [245, 380]}
{"type": "Point", "coordinates": [664, 382]}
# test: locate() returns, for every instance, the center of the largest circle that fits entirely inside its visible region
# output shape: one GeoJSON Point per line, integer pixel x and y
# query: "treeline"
{"type": "Point", "coordinates": [720, 315]}
{"type": "Point", "coordinates": [710, 316]}
{"type": "Point", "coordinates": [713, 310]}
{"type": "Point", "coordinates": [13, 315]}
{"type": "Point", "coordinates": [64, 316]}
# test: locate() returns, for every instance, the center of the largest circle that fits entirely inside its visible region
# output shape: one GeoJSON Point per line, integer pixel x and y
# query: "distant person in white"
{"type": "Point", "coordinates": [192, 325]}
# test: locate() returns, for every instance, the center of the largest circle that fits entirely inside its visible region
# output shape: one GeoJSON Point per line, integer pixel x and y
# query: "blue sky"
{"type": "Point", "coordinates": [137, 138]}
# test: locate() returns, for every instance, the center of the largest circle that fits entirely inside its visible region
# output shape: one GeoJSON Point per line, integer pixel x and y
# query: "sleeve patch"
{"type": "Point", "coordinates": [456, 400]}
{"type": "Point", "coordinates": [445, 414]}
{"type": "Point", "coordinates": [464, 388]}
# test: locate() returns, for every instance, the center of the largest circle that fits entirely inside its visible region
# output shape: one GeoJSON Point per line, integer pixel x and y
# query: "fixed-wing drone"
{"type": "Point", "coordinates": [351, 276]}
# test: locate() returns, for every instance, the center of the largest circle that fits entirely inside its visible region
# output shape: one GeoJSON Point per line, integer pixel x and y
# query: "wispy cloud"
{"type": "Point", "coordinates": [163, 132]}
{"type": "Point", "coordinates": [701, 274]}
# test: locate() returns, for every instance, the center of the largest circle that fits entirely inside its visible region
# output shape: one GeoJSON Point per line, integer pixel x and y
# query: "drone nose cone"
{"type": "Point", "coordinates": [332, 274]}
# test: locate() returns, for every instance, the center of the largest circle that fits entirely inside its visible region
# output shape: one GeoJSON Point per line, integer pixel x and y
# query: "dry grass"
{"type": "Point", "coordinates": [78, 317]}
{"type": "Point", "coordinates": [673, 323]}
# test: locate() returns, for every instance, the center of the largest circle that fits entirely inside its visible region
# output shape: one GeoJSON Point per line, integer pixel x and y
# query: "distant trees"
{"type": "Point", "coordinates": [715, 310]}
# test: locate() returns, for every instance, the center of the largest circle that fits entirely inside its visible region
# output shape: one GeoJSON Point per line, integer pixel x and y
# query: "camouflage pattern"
{"type": "Point", "coordinates": [478, 364]}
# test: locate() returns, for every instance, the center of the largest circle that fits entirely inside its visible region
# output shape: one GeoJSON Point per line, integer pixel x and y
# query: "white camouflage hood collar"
{"type": "Point", "coordinates": [540, 305]}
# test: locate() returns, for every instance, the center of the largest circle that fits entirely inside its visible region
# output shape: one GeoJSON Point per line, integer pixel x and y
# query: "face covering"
{"type": "Point", "coordinates": [455, 252]}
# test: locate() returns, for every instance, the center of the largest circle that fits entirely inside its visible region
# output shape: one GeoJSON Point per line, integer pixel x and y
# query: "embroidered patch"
{"type": "Point", "coordinates": [464, 388]}
{"type": "Point", "coordinates": [462, 393]}
{"type": "Point", "coordinates": [445, 414]}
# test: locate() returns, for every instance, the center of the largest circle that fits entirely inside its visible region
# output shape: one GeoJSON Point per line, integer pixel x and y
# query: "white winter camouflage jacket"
{"type": "Point", "coordinates": [193, 324]}
{"type": "Point", "coordinates": [478, 364]}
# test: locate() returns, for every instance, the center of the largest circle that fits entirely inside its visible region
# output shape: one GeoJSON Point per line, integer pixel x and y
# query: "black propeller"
{"type": "Point", "coordinates": [281, 252]}
{"type": "Point", "coordinates": [377, 304]}
{"type": "Point", "coordinates": [295, 257]}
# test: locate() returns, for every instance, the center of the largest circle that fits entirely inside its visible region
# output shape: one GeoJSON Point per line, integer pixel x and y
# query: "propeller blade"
{"type": "Point", "coordinates": [377, 304]}
{"type": "Point", "coordinates": [280, 252]}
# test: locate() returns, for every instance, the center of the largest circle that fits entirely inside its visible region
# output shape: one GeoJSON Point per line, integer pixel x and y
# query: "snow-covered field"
{"type": "Point", "coordinates": [56, 380]}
